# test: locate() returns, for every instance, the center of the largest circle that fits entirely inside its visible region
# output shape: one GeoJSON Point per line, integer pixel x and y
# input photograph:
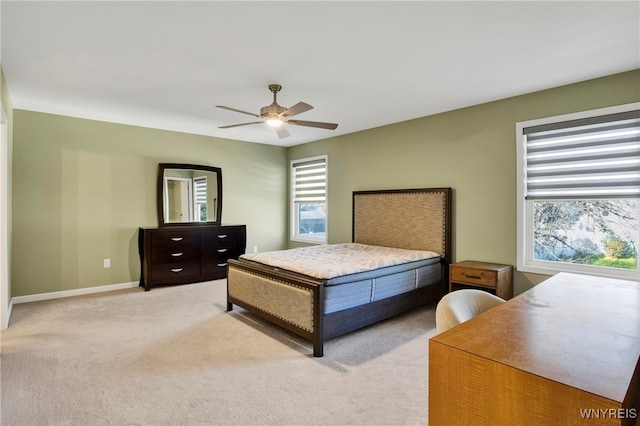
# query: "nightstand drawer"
{"type": "Point", "coordinates": [474, 276]}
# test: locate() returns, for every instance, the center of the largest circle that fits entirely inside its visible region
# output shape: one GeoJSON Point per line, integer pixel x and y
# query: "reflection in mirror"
{"type": "Point", "coordinates": [189, 194]}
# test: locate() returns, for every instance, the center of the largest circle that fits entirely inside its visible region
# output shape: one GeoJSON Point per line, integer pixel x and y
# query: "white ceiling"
{"type": "Point", "coordinates": [360, 64]}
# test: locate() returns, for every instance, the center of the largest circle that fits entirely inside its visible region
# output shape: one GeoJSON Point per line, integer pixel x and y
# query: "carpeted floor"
{"type": "Point", "coordinates": [173, 356]}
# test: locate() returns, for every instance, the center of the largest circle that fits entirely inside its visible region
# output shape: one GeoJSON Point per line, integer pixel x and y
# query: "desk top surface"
{"type": "Point", "coordinates": [582, 331]}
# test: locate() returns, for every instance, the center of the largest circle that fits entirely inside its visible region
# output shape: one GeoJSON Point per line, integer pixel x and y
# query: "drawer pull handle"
{"type": "Point", "coordinates": [176, 254]}
{"type": "Point", "coordinates": [221, 250]}
{"type": "Point", "coordinates": [176, 270]}
{"type": "Point", "coordinates": [222, 264]}
{"type": "Point", "coordinates": [475, 277]}
{"type": "Point", "coordinates": [177, 238]}
{"type": "Point", "coordinates": [222, 236]}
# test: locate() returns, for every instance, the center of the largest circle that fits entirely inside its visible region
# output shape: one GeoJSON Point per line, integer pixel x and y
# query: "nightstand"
{"type": "Point", "coordinates": [494, 277]}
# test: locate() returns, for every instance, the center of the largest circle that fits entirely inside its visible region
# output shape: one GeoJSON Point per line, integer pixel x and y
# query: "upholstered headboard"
{"type": "Point", "coordinates": [417, 219]}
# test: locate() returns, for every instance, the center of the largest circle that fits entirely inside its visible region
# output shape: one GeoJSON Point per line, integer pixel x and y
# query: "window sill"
{"type": "Point", "coordinates": [598, 271]}
{"type": "Point", "coordinates": [309, 240]}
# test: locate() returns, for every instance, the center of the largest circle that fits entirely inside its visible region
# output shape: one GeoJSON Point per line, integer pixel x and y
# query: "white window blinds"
{"type": "Point", "coordinates": [597, 157]}
{"type": "Point", "coordinates": [200, 190]}
{"type": "Point", "coordinates": [310, 184]}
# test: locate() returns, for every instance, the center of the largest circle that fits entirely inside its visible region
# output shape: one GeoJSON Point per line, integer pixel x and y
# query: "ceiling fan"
{"type": "Point", "coordinates": [275, 115]}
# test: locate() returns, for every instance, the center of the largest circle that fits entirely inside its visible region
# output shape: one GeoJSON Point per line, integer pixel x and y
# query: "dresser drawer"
{"type": "Point", "coordinates": [226, 237]}
{"type": "Point", "coordinates": [473, 276]}
{"type": "Point", "coordinates": [175, 272]}
{"type": "Point", "coordinates": [223, 243]}
{"type": "Point", "coordinates": [175, 238]}
{"type": "Point", "coordinates": [221, 252]}
{"type": "Point", "coordinates": [175, 254]}
{"type": "Point", "coordinates": [217, 267]}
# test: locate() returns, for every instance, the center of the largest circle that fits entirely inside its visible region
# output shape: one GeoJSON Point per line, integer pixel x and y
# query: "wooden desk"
{"type": "Point", "coordinates": [571, 343]}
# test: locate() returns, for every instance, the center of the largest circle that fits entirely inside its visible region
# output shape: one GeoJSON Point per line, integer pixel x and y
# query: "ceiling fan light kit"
{"type": "Point", "coordinates": [275, 115]}
{"type": "Point", "coordinates": [274, 122]}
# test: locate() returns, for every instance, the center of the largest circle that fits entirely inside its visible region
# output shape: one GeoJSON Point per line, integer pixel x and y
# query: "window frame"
{"type": "Point", "coordinates": [294, 213]}
{"type": "Point", "coordinates": [524, 208]}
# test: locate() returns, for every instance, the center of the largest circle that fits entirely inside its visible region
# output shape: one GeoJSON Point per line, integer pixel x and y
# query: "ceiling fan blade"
{"type": "Point", "coordinates": [330, 126]}
{"type": "Point", "coordinates": [298, 108]}
{"type": "Point", "coordinates": [281, 131]}
{"type": "Point", "coordinates": [241, 124]}
{"type": "Point", "coordinates": [237, 110]}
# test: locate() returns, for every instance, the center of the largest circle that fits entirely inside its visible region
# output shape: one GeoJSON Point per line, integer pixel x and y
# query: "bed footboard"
{"type": "Point", "coordinates": [292, 302]}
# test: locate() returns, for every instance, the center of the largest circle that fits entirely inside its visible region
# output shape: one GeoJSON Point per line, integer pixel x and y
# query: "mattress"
{"type": "Point", "coordinates": [360, 292]}
{"type": "Point", "coordinates": [339, 263]}
{"type": "Point", "coordinates": [355, 274]}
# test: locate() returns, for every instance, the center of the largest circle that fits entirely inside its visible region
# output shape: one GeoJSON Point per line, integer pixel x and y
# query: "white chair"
{"type": "Point", "coordinates": [462, 305]}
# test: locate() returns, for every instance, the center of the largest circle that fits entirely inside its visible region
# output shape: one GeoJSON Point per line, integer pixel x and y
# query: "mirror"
{"type": "Point", "coordinates": [189, 194]}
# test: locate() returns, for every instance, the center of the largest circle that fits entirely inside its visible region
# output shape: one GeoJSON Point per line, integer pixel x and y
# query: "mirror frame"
{"type": "Point", "coordinates": [161, 169]}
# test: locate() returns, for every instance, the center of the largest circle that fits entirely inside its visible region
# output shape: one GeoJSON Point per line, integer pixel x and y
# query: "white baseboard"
{"type": "Point", "coordinates": [69, 293]}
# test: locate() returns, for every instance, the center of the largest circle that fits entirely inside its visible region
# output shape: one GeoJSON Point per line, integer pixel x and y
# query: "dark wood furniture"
{"type": "Point", "coordinates": [176, 207]}
{"type": "Point", "coordinates": [187, 254]}
{"type": "Point", "coordinates": [417, 219]}
{"type": "Point", "coordinates": [566, 352]}
{"type": "Point", "coordinates": [494, 277]}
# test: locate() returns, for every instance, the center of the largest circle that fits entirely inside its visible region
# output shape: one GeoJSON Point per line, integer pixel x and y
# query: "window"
{"type": "Point", "coordinates": [309, 199]}
{"type": "Point", "coordinates": [200, 198]}
{"type": "Point", "coordinates": [579, 193]}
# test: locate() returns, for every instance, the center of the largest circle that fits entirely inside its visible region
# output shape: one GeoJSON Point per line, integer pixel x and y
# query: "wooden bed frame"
{"type": "Point", "coordinates": [418, 219]}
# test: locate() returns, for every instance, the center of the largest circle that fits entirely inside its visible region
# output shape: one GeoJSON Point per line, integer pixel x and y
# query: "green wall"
{"type": "Point", "coordinates": [472, 150]}
{"type": "Point", "coordinates": [81, 189]}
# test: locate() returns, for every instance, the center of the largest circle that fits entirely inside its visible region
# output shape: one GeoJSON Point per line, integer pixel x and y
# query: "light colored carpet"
{"type": "Point", "coordinates": [173, 356]}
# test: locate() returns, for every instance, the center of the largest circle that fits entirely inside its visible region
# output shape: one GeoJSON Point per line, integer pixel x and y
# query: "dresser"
{"type": "Point", "coordinates": [181, 255]}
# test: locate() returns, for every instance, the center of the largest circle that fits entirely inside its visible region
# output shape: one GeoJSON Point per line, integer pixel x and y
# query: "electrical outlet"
{"type": "Point", "coordinates": [255, 249]}
{"type": "Point", "coordinates": [107, 263]}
